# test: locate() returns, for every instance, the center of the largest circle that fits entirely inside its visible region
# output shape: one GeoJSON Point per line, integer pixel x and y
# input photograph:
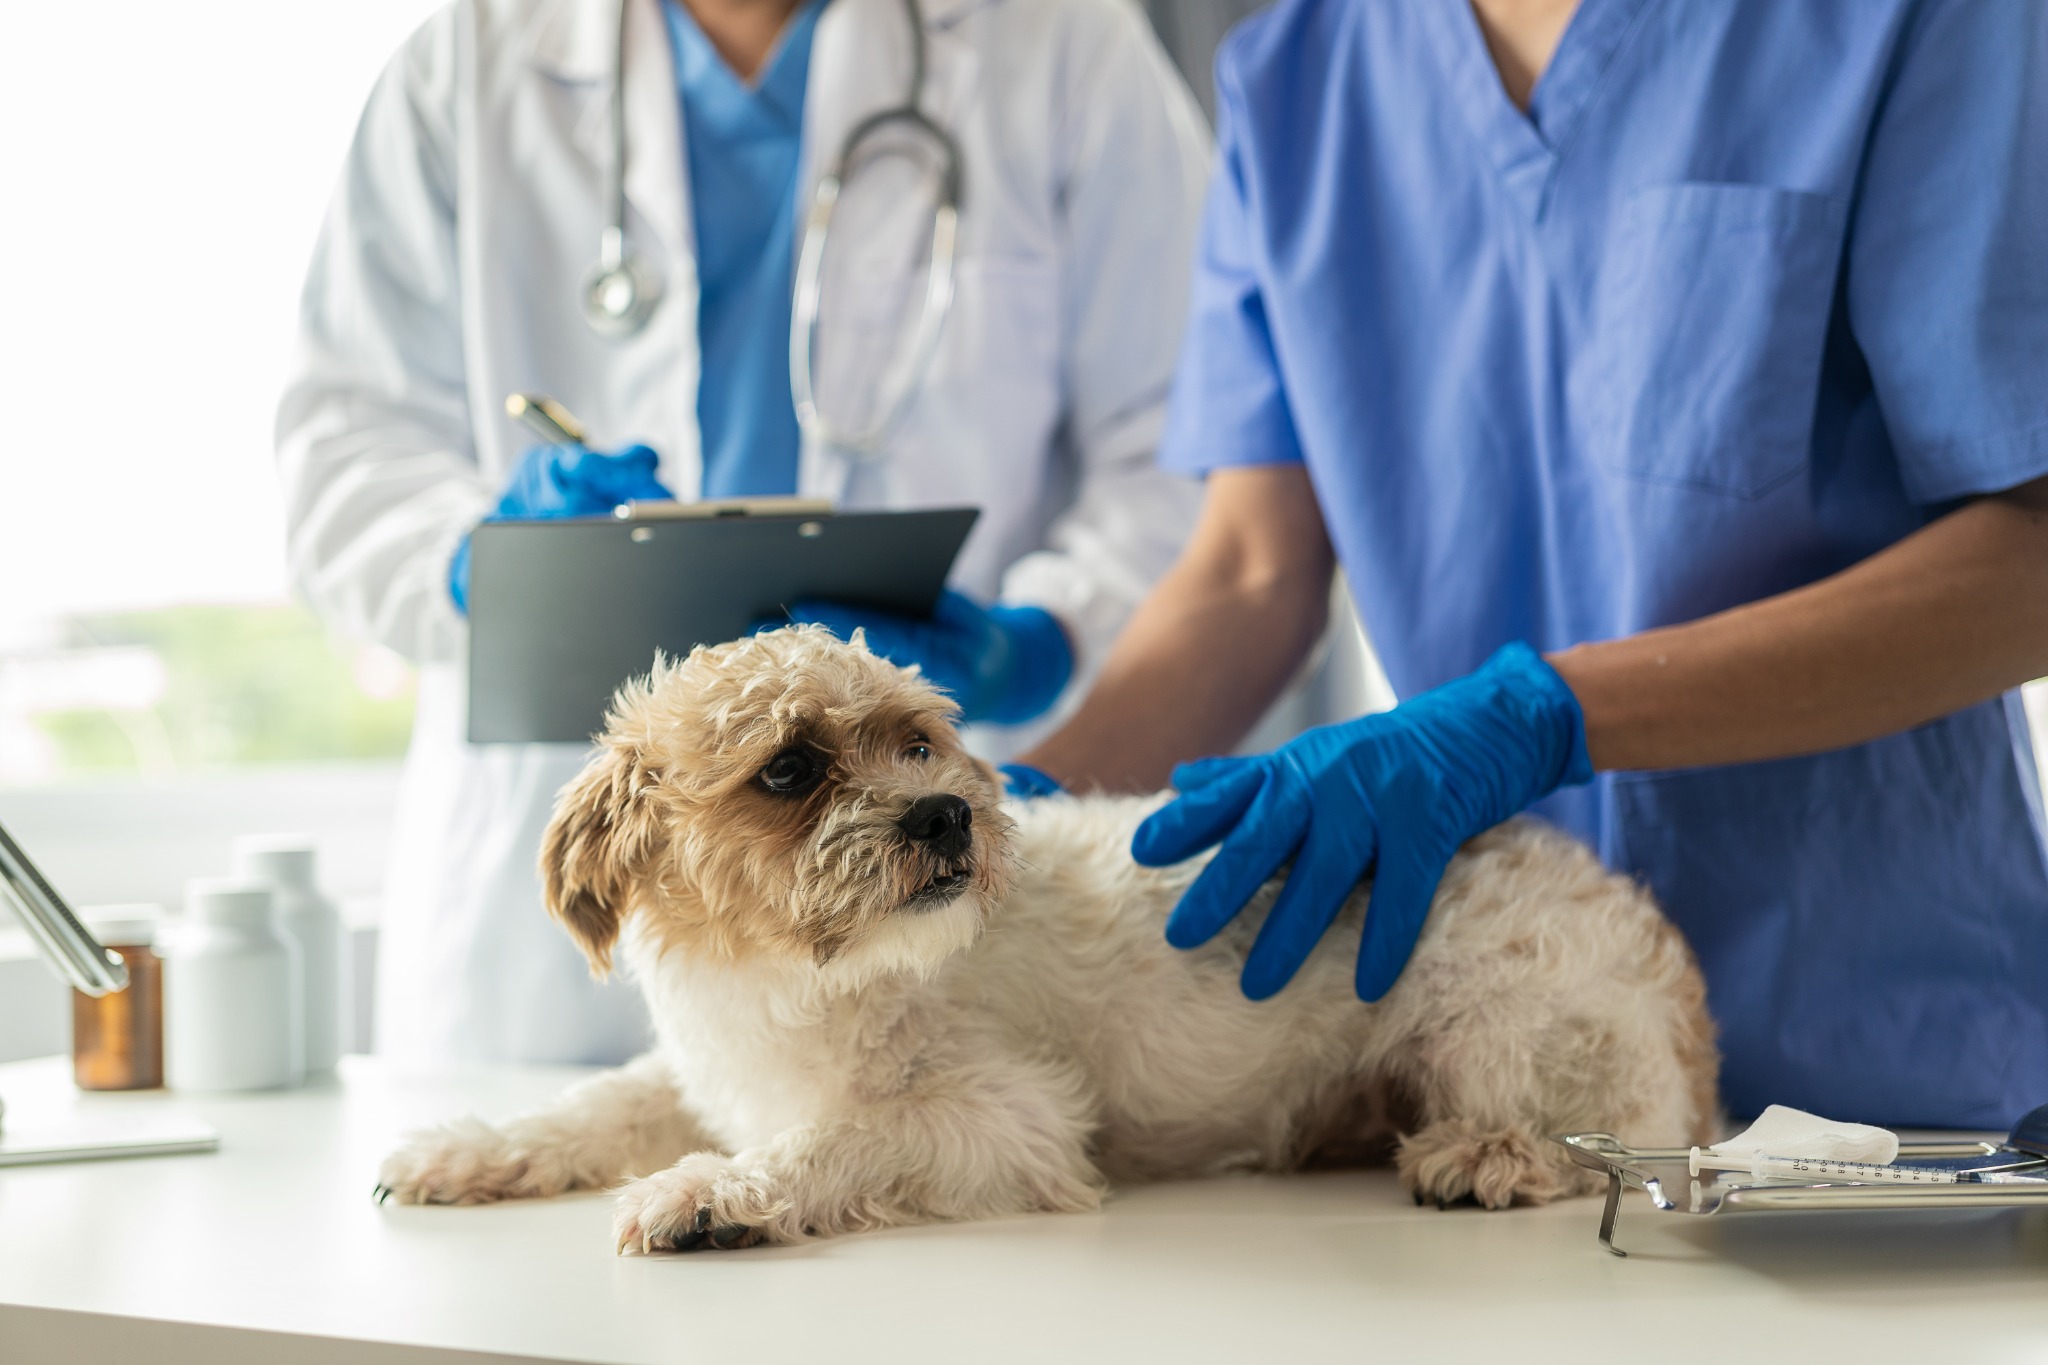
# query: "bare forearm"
{"type": "Point", "coordinates": [1951, 615]}
{"type": "Point", "coordinates": [1207, 652]}
{"type": "Point", "coordinates": [1165, 695]}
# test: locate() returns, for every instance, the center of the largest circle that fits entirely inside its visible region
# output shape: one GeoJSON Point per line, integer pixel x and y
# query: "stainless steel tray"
{"type": "Point", "coordinates": [1662, 1174]}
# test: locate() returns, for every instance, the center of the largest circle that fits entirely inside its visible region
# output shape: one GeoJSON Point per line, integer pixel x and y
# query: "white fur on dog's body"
{"type": "Point", "coordinates": [938, 1070]}
{"type": "Point", "coordinates": [1181, 1074]}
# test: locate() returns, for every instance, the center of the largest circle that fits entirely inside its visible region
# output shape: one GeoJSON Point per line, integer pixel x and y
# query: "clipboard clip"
{"type": "Point", "coordinates": [720, 509]}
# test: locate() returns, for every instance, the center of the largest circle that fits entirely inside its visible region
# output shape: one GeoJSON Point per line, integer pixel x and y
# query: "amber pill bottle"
{"type": "Point", "coordinates": [117, 1040]}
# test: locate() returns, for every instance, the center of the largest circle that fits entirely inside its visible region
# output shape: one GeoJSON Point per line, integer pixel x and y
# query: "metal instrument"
{"type": "Point", "coordinates": [78, 956]}
{"type": "Point", "coordinates": [64, 941]}
{"type": "Point", "coordinates": [1987, 1175]}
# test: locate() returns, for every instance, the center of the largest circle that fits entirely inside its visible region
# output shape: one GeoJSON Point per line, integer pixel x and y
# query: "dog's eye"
{"type": "Point", "coordinates": [792, 772]}
{"type": "Point", "coordinates": [919, 750]}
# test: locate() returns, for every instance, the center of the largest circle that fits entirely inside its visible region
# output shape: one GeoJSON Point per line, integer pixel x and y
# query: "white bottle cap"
{"type": "Point", "coordinates": [283, 858]}
{"type": "Point", "coordinates": [131, 926]}
{"type": "Point", "coordinates": [227, 900]}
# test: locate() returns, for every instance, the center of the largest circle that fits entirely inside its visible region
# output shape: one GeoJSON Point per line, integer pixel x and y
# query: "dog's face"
{"type": "Point", "coordinates": [788, 794]}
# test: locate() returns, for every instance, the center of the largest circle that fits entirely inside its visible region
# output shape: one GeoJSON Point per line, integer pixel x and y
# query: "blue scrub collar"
{"type": "Point", "coordinates": [717, 92]}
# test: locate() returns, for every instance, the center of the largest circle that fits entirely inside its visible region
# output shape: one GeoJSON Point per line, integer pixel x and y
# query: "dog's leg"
{"type": "Point", "coordinates": [1555, 999]}
{"type": "Point", "coordinates": [1496, 1084]}
{"type": "Point", "coordinates": [618, 1124]}
{"type": "Point", "coordinates": [1492, 1085]}
{"type": "Point", "coordinates": [1007, 1138]}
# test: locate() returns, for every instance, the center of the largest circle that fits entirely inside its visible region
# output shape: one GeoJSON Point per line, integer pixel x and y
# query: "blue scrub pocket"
{"type": "Point", "coordinates": [1708, 325]}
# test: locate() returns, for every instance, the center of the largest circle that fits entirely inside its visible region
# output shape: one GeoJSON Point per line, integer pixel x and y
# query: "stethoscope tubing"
{"type": "Point", "coordinates": [867, 442]}
{"type": "Point", "coordinates": [619, 291]}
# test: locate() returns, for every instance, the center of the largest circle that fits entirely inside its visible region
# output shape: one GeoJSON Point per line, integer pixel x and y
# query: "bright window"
{"type": "Point", "coordinates": [168, 166]}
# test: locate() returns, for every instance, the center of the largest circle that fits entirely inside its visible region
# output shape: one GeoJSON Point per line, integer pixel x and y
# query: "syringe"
{"type": "Point", "coordinates": [1810, 1168]}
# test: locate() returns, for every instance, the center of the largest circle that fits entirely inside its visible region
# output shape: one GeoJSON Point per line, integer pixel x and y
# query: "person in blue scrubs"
{"type": "Point", "coordinates": [742, 143]}
{"type": "Point", "coordinates": [1671, 382]}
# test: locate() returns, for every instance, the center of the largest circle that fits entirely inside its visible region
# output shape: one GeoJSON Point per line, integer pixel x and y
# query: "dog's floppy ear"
{"type": "Point", "coordinates": [596, 849]}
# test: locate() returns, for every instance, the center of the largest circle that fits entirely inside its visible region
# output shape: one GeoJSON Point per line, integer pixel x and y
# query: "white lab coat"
{"type": "Point", "coordinates": [447, 276]}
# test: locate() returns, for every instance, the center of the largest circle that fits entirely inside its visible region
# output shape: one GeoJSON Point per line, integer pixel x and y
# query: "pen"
{"type": "Point", "coordinates": [545, 418]}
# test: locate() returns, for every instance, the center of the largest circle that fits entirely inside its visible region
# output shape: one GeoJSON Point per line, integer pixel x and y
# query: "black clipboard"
{"type": "Point", "coordinates": [562, 612]}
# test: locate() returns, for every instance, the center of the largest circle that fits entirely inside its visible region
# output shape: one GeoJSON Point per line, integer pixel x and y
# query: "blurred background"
{"type": "Point", "coordinates": [208, 208]}
{"type": "Point", "coordinates": [196, 701]}
{"type": "Point", "coordinates": [143, 437]}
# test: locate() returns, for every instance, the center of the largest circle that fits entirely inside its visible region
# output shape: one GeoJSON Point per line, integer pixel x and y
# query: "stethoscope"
{"type": "Point", "coordinates": [621, 290]}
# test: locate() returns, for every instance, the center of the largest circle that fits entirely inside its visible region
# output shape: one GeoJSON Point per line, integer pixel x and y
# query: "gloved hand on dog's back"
{"type": "Point", "coordinates": [565, 481]}
{"type": "Point", "coordinates": [1001, 663]}
{"type": "Point", "coordinates": [1402, 789]}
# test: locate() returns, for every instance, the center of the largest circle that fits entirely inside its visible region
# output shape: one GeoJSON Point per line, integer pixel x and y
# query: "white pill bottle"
{"type": "Point", "coordinates": [232, 1015]}
{"type": "Point", "coordinates": [285, 862]}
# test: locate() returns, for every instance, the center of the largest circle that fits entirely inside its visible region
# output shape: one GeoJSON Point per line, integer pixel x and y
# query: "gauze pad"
{"type": "Point", "coordinates": [1780, 1131]}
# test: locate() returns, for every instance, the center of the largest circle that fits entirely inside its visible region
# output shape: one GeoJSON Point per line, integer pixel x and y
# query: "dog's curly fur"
{"type": "Point", "coordinates": [856, 1031]}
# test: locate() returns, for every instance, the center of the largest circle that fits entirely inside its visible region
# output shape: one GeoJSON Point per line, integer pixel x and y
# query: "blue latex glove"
{"type": "Point", "coordinates": [1027, 783]}
{"type": "Point", "coordinates": [1002, 664]}
{"type": "Point", "coordinates": [1403, 788]}
{"type": "Point", "coordinates": [565, 481]}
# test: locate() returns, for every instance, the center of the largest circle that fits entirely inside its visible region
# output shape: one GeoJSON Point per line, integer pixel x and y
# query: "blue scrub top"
{"type": "Point", "coordinates": [742, 145]}
{"type": "Point", "coordinates": [1754, 290]}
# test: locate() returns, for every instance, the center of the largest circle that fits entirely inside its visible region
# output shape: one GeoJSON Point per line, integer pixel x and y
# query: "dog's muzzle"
{"type": "Point", "coordinates": [942, 828]}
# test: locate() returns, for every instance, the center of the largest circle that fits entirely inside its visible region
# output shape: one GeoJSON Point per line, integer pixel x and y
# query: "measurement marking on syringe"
{"type": "Point", "coordinates": [1816, 1168]}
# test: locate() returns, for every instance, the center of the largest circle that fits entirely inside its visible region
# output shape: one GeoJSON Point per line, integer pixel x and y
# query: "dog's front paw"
{"type": "Point", "coordinates": [466, 1162]}
{"type": "Point", "coordinates": [1453, 1162]}
{"type": "Point", "coordinates": [702, 1203]}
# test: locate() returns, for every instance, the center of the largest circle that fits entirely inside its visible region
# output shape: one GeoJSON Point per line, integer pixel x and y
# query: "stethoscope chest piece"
{"type": "Point", "coordinates": [619, 291]}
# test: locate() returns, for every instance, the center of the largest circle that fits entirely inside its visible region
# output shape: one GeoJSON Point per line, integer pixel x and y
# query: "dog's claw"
{"type": "Point", "coordinates": [380, 1194]}
{"type": "Point", "coordinates": [1419, 1201]}
{"type": "Point", "coordinates": [697, 1233]}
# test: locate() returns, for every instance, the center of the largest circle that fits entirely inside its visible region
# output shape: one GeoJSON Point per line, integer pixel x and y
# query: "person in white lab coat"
{"type": "Point", "coordinates": [448, 274]}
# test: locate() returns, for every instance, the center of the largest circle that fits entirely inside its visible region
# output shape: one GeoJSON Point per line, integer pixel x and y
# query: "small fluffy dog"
{"type": "Point", "coordinates": [882, 996]}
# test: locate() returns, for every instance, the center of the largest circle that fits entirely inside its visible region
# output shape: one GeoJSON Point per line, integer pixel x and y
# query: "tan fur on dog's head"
{"type": "Point", "coordinates": [676, 818]}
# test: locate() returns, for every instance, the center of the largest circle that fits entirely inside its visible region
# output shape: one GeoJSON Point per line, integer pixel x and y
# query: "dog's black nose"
{"type": "Point", "coordinates": [941, 823]}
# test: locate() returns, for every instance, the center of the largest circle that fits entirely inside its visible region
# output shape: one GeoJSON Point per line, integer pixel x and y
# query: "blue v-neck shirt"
{"type": "Point", "coordinates": [1754, 290]}
{"type": "Point", "coordinates": [742, 146]}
